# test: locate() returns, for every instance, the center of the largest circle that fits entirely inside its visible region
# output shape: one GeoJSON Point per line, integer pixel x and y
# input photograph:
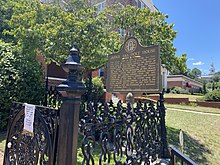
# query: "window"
{"type": "Point", "coordinates": [140, 4]}
{"type": "Point", "coordinates": [136, 2]}
{"type": "Point", "coordinates": [46, 1]}
{"type": "Point", "coordinates": [101, 6]}
{"type": "Point", "coordinates": [101, 72]}
{"type": "Point", "coordinates": [121, 31]}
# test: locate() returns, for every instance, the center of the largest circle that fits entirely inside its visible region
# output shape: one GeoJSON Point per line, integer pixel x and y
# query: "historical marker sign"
{"type": "Point", "coordinates": [134, 69]}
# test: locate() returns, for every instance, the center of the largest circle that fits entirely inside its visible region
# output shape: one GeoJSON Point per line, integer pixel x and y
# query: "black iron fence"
{"type": "Point", "coordinates": [178, 157]}
{"type": "Point", "coordinates": [124, 135]}
{"type": "Point", "coordinates": [52, 97]}
{"type": "Point", "coordinates": [112, 134]}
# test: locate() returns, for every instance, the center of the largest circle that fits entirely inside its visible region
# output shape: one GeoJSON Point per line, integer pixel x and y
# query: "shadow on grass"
{"type": "Point", "coordinates": [192, 147]}
{"type": "Point", "coordinates": [80, 156]}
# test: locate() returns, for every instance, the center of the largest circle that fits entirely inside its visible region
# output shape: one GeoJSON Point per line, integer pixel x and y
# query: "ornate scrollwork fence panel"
{"type": "Point", "coordinates": [53, 98]}
{"type": "Point", "coordinates": [26, 149]}
{"type": "Point", "coordinates": [122, 134]}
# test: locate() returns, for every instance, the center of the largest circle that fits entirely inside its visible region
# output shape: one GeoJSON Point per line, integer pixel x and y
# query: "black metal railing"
{"type": "Point", "coordinates": [178, 157]}
{"type": "Point", "coordinates": [121, 134]}
{"type": "Point", "coordinates": [53, 97]}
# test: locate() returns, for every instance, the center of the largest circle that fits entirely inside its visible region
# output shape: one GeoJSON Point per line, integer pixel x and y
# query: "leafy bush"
{"type": "Point", "coordinates": [213, 85]}
{"type": "Point", "coordinates": [200, 99]}
{"type": "Point", "coordinates": [97, 89]}
{"type": "Point", "coordinates": [193, 104]}
{"type": "Point", "coordinates": [21, 79]}
{"type": "Point", "coordinates": [198, 94]}
{"type": "Point", "coordinates": [213, 96]}
{"type": "Point", "coordinates": [168, 90]}
{"type": "Point", "coordinates": [178, 90]}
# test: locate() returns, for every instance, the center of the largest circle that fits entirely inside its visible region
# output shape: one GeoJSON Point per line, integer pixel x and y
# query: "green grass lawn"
{"type": "Point", "coordinates": [201, 135]}
{"type": "Point", "coordinates": [2, 141]}
{"type": "Point", "coordinates": [191, 97]}
{"type": "Point", "coordinates": [193, 108]}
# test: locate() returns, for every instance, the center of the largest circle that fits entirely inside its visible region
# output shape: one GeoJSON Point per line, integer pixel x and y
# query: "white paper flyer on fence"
{"type": "Point", "coordinates": [29, 118]}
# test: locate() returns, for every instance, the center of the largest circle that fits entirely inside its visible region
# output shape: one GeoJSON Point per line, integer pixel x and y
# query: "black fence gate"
{"type": "Point", "coordinates": [40, 147]}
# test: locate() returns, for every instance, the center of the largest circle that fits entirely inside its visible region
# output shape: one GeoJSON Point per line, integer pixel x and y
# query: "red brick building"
{"type": "Point", "coordinates": [138, 3]}
{"type": "Point", "coordinates": [183, 82]}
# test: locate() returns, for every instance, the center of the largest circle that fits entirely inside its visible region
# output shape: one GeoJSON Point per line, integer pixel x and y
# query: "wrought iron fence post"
{"type": "Point", "coordinates": [90, 87]}
{"type": "Point", "coordinates": [165, 152]}
{"type": "Point", "coordinates": [71, 90]}
{"type": "Point", "coordinates": [46, 89]}
{"type": "Point", "coordinates": [130, 99]}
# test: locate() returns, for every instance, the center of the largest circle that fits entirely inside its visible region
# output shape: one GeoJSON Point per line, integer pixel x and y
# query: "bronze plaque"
{"type": "Point", "coordinates": [134, 69]}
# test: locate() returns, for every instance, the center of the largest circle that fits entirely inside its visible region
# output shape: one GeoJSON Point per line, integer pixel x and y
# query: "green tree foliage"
{"type": "Point", "coordinates": [21, 79]}
{"type": "Point", "coordinates": [204, 90]}
{"type": "Point", "coordinates": [214, 82]}
{"type": "Point", "coordinates": [38, 26]}
{"type": "Point", "coordinates": [97, 89]}
{"type": "Point", "coordinates": [5, 15]}
{"type": "Point", "coordinates": [213, 85]}
{"type": "Point", "coordinates": [179, 90]}
{"type": "Point", "coordinates": [150, 28]}
{"type": "Point", "coordinates": [53, 31]}
{"type": "Point", "coordinates": [194, 73]}
{"type": "Point", "coordinates": [213, 96]}
{"type": "Point", "coordinates": [180, 66]}
{"type": "Point", "coordinates": [216, 77]}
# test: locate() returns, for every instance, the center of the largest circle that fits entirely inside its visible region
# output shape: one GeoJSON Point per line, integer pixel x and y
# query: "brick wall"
{"type": "Point", "coordinates": [167, 100]}
{"type": "Point", "coordinates": [42, 61]}
{"type": "Point", "coordinates": [181, 81]}
{"type": "Point", "coordinates": [123, 2]}
{"type": "Point", "coordinates": [207, 104]}
{"type": "Point", "coordinates": [171, 84]}
{"type": "Point", "coordinates": [183, 100]}
{"type": "Point", "coordinates": [176, 100]}
{"type": "Point", "coordinates": [95, 73]}
{"type": "Point", "coordinates": [121, 97]}
{"type": "Point", "coordinates": [56, 71]}
{"type": "Point", "coordinates": [107, 96]}
{"type": "Point", "coordinates": [54, 82]}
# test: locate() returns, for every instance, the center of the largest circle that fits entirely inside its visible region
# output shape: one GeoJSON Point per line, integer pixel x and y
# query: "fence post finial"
{"type": "Point", "coordinates": [71, 90]}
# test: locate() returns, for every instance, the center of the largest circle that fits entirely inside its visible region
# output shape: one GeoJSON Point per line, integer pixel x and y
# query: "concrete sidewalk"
{"type": "Point", "coordinates": [190, 111]}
